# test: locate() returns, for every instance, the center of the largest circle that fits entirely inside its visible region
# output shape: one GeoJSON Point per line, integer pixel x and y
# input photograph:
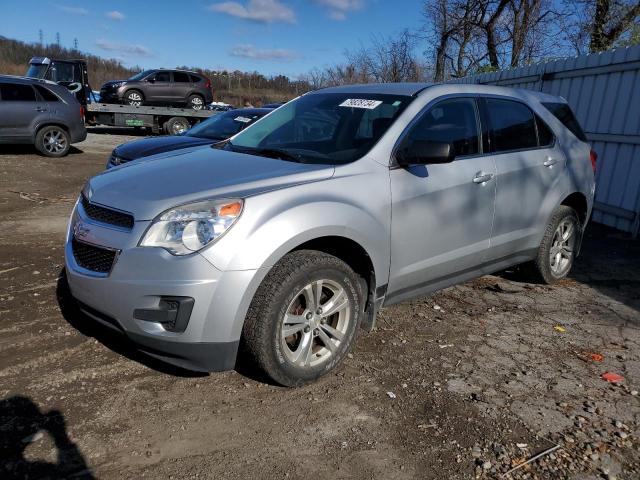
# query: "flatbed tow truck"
{"type": "Point", "coordinates": [74, 75]}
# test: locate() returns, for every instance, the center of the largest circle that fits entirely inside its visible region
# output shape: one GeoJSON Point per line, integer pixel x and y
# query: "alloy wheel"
{"type": "Point", "coordinates": [315, 323]}
{"type": "Point", "coordinates": [562, 247]}
{"type": "Point", "coordinates": [54, 141]}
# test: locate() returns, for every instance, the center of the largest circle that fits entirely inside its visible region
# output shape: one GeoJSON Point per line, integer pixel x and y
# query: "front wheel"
{"type": "Point", "coordinates": [304, 317]}
{"type": "Point", "coordinates": [558, 248]}
{"type": "Point", "coordinates": [134, 98]}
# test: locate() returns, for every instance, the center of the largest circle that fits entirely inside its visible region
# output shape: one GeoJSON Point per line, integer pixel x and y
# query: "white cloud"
{"type": "Point", "coordinates": [115, 15]}
{"type": "Point", "coordinates": [338, 9]}
{"type": "Point", "coordinates": [264, 11]}
{"type": "Point", "coordinates": [254, 53]}
{"type": "Point", "coordinates": [124, 49]}
{"type": "Point", "coordinates": [73, 10]}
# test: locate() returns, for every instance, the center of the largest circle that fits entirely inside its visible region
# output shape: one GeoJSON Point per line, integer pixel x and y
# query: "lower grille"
{"type": "Point", "coordinates": [93, 258]}
{"type": "Point", "coordinates": [107, 215]}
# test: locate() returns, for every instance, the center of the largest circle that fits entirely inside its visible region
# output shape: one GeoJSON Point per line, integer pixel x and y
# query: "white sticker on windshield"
{"type": "Point", "coordinates": [360, 103]}
{"type": "Point", "coordinates": [242, 119]}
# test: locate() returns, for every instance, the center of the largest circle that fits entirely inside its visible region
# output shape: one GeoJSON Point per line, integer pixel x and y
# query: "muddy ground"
{"type": "Point", "coordinates": [469, 382]}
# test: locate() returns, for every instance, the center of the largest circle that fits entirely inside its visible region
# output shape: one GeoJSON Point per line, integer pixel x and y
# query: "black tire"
{"type": "Point", "coordinates": [176, 125]}
{"type": "Point", "coordinates": [196, 102]}
{"type": "Point", "coordinates": [53, 141]}
{"type": "Point", "coordinates": [135, 98]}
{"type": "Point", "coordinates": [262, 341]}
{"type": "Point", "coordinates": [541, 270]}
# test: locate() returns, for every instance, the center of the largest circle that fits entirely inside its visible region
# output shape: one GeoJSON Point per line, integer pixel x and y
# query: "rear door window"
{"type": "Point", "coordinates": [513, 125]}
{"type": "Point", "coordinates": [14, 92]}
{"type": "Point", "coordinates": [453, 121]}
{"type": "Point", "coordinates": [563, 112]}
{"type": "Point", "coordinates": [46, 94]}
{"type": "Point", "coordinates": [181, 77]}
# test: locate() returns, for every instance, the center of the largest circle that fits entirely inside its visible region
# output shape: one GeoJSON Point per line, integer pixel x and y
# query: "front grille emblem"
{"type": "Point", "coordinates": [80, 230]}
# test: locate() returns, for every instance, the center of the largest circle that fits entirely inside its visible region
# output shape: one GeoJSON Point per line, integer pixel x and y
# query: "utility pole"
{"type": "Point", "coordinates": [58, 38]}
{"type": "Point", "coordinates": [41, 37]}
{"type": "Point", "coordinates": [75, 44]}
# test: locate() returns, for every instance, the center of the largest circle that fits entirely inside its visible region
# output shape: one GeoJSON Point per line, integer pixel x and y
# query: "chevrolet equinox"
{"type": "Point", "coordinates": [284, 241]}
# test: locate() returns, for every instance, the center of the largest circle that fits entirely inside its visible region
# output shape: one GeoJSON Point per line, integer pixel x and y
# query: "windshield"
{"type": "Point", "coordinates": [141, 75]}
{"type": "Point", "coordinates": [37, 71]}
{"type": "Point", "coordinates": [223, 125]}
{"type": "Point", "coordinates": [332, 128]}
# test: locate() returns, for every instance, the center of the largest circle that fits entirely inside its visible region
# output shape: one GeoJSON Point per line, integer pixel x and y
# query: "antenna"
{"type": "Point", "coordinates": [75, 44]}
{"type": "Point", "coordinates": [41, 37]}
{"type": "Point", "coordinates": [58, 38]}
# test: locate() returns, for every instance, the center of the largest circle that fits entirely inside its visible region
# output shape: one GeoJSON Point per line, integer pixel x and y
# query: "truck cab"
{"type": "Point", "coordinates": [69, 73]}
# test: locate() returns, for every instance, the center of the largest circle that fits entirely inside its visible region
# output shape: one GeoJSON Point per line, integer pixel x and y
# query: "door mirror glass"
{"type": "Point", "coordinates": [425, 152]}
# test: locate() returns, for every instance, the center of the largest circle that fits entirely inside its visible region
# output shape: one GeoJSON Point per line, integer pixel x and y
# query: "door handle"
{"type": "Point", "coordinates": [41, 109]}
{"type": "Point", "coordinates": [482, 177]}
{"type": "Point", "coordinates": [550, 162]}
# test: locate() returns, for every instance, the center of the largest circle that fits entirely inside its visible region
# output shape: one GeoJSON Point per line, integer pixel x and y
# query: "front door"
{"type": "Point", "coordinates": [441, 214]}
{"type": "Point", "coordinates": [160, 88]}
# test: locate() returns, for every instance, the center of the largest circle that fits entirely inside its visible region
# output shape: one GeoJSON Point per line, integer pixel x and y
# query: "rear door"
{"type": "Point", "coordinates": [529, 163]}
{"type": "Point", "coordinates": [442, 214]}
{"type": "Point", "coordinates": [182, 86]}
{"type": "Point", "coordinates": [20, 111]}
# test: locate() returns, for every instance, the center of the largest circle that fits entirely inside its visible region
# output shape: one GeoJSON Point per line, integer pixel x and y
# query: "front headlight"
{"type": "Point", "coordinates": [188, 228]}
{"type": "Point", "coordinates": [117, 84]}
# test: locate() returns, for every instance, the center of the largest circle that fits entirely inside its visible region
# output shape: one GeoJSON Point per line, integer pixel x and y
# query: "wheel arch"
{"type": "Point", "coordinates": [50, 123]}
{"type": "Point", "coordinates": [577, 201]}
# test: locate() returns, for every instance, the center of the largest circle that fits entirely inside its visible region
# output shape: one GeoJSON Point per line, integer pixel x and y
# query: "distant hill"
{"type": "Point", "coordinates": [231, 87]}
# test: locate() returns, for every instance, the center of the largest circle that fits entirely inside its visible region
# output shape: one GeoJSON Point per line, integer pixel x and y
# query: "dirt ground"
{"type": "Point", "coordinates": [467, 383]}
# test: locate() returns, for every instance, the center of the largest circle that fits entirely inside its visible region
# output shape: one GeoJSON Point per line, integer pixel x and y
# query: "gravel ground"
{"type": "Point", "coordinates": [467, 383]}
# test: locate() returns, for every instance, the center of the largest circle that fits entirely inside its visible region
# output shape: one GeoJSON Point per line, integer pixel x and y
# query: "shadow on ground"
{"type": "Point", "coordinates": [23, 423]}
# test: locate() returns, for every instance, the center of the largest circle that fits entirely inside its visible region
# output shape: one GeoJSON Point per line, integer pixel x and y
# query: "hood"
{"type": "Point", "coordinates": [151, 146]}
{"type": "Point", "coordinates": [148, 188]}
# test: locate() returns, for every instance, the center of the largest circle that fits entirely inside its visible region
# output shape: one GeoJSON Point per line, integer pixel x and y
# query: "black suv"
{"type": "Point", "coordinates": [160, 87]}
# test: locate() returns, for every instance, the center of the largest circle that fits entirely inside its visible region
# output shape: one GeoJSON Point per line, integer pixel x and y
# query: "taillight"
{"type": "Point", "coordinates": [208, 84]}
{"type": "Point", "coordinates": [594, 158]}
{"type": "Point", "coordinates": [82, 112]}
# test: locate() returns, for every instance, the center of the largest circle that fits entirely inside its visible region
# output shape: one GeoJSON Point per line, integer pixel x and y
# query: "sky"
{"type": "Point", "coordinates": [288, 37]}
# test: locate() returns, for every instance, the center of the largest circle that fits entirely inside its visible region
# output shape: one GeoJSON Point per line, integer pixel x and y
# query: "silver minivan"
{"type": "Point", "coordinates": [281, 243]}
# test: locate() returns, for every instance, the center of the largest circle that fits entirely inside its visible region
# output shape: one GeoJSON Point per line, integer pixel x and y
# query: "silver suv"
{"type": "Point", "coordinates": [284, 241]}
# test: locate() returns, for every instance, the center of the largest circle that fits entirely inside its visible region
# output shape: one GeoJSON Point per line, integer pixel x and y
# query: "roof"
{"type": "Point", "coordinates": [388, 88]}
{"type": "Point", "coordinates": [29, 80]}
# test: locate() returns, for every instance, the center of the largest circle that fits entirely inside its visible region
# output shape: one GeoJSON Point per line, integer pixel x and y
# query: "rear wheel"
{"type": "Point", "coordinates": [176, 125]}
{"type": "Point", "coordinates": [196, 102]}
{"type": "Point", "coordinates": [557, 250]}
{"type": "Point", "coordinates": [304, 317]}
{"type": "Point", "coordinates": [53, 141]}
{"type": "Point", "coordinates": [134, 98]}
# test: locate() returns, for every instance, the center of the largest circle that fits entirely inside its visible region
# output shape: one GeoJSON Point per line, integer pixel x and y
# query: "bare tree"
{"type": "Point", "coordinates": [611, 19]}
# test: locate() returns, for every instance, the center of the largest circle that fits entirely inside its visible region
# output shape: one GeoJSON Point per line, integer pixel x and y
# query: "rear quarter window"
{"type": "Point", "coordinates": [181, 77]}
{"type": "Point", "coordinates": [563, 112]}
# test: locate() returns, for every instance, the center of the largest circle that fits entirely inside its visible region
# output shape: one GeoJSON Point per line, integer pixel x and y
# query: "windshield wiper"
{"type": "Point", "coordinates": [276, 153]}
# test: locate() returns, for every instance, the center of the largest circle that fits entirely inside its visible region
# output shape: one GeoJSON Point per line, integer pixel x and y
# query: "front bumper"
{"type": "Point", "coordinates": [139, 280]}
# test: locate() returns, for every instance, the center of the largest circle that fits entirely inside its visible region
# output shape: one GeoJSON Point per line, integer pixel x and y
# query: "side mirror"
{"type": "Point", "coordinates": [151, 80]}
{"type": "Point", "coordinates": [421, 152]}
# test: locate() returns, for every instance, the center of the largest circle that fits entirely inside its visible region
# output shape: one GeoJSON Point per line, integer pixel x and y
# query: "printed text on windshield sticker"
{"type": "Point", "coordinates": [360, 103]}
{"type": "Point", "coordinates": [242, 119]}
